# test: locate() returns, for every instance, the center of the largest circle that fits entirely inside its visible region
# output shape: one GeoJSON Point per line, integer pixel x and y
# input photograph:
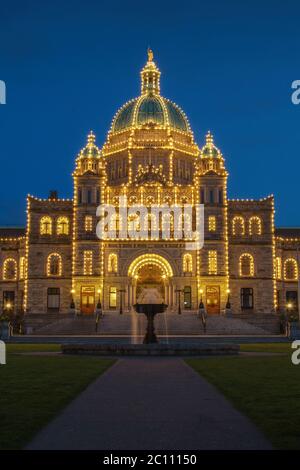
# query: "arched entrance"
{"type": "Point", "coordinates": [150, 271]}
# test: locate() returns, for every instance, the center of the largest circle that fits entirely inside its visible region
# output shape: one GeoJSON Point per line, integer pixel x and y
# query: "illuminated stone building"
{"type": "Point", "coordinates": [150, 156]}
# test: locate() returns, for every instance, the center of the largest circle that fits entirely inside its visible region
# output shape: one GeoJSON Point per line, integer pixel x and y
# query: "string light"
{"type": "Point", "coordinates": [212, 262]}
{"type": "Point", "coordinates": [290, 269]}
{"type": "Point", "coordinates": [10, 270]}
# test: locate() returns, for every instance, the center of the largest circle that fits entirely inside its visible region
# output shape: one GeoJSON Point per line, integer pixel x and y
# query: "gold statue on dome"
{"type": "Point", "coordinates": [150, 55]}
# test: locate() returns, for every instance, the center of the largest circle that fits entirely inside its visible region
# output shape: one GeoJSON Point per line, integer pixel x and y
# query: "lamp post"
{"type": "Point", "coordinates": [99, 307]}
{"type": "Point", "coordinates": [201, 305]}
{"type": "Point", "coordinates": [228, 305]}
{"type": "Point", "coordinates": [72, 304]}
{"type": "Point", "coordinates": [121, 300]}
{"type": "Point", "coordinates": [179, 300]}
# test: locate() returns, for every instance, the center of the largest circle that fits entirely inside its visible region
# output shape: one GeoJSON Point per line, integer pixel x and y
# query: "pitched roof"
{"type": "Point", "coordinates": [12, 232]}
{"type": "Point", "coordinates": [289, 232]}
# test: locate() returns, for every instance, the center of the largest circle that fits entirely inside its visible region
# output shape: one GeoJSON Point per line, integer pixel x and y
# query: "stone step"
{"type": "Point", "coordinates": [165, 324]}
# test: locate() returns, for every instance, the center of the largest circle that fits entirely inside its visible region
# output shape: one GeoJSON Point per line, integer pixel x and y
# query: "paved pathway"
{"type": "Point", "coordinates": [150, 404]}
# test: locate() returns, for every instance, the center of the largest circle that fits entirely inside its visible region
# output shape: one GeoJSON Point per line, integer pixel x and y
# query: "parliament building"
{"type": "Point", "coordinates": [150, 157]}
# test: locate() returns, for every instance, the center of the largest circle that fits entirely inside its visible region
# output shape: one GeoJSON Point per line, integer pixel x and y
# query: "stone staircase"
{"type": "Point", "coordinates": [132, 324]}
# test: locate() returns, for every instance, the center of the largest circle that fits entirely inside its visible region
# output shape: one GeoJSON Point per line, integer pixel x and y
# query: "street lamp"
{"type": "Point", "coordinates": [99, 306]}
{"type": "Point", "coordinates": [179, 300]}
{"type": "Point", "coordinates": [201, 305]}
{"type": "Point", "coordinates": [121, 300]}
{"type": "Point", "coordinates": [72, 304]}
{"type": "Point", "coordinates": [228, 305]}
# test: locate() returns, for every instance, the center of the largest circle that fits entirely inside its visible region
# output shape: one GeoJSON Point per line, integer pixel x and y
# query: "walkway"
{"type": "Point", "coordinates": [150, 404]}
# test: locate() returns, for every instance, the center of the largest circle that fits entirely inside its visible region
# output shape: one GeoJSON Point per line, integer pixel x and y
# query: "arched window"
{"type": "Point", "coordinates": [54, 265]}
{"type": "Point", "coordinates": [246, 265]}
{"type": "Point", "coordinates": [187, 263]}
{"type": "Point", "coordinates": [255, 226]}
{"type": "Point", "coordinates": [22, 268]}
{"type": "Point", "coordinates": [10, 270]}
{"type": "Point", "coordinates": [112, 263]}
{"type": "Point", "coordinates": [238, 225]}
{"type": "Point", "coordinates": [62, 226]}
{"type": "Point", "coordinates": [46, 225]}
{"type": "Point", "coordinates": [278, 267]}
{"type": "Point", "coordinates": [290, 269]}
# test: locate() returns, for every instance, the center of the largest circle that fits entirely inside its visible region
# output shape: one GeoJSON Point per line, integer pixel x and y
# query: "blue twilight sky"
{"type": "Point", "coordinates": [69, 65]}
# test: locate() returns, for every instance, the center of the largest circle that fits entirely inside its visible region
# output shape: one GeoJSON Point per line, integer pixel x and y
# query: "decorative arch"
{"type": "Point", "coordinates": [290, 269]}
{"type": "Point", "coordinates": [113, 263]}
{"type": "Point", "coordinates": [238, 225]}
{"type": "Point", "coordinates": [255, 225]}
{"type": "Point", "coordinates": [187, 263]}
{"type": "Point", "coordinates": [46, 225]}
{"type": "Point", "coordinates": [62, 226]}
{"type": "Point", "coordinates": [10, 270]}
{"type": "Point", "coordinates": [150, 258]}
{"type": "Point", "coordinates": [54, 265]}
{"type": "Point", "coordinates": [246, 265]}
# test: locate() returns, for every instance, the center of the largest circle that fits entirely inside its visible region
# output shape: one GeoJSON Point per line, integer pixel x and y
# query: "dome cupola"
{"type": "Point", "coordinates": [150, 108]}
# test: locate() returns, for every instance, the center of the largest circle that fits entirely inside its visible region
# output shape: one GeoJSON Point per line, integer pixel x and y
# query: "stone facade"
{"type": "Point", "coordinates": [150, 158]}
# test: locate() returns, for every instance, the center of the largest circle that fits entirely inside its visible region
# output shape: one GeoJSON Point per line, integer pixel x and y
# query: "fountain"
{"type": "Point", "coordinates": [150, 303]}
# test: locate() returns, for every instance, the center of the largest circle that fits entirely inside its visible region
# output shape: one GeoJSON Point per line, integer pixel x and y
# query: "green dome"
{"type": "Point", "coordinates": [150, 109]}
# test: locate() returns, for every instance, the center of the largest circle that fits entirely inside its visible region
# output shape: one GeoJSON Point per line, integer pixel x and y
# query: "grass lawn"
{"type": "Point", "coordinates": [35, 388]}
{"type": "Point", "coordinates": [266, 389]}
{"type": "Point", "coordinates": [267, 347]}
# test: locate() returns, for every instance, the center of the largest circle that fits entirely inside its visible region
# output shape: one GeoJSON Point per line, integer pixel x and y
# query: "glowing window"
{"type": "Point", "coordinates": [62, 227]}
{"type": "Point", "coordinates": [88, 262]}
{"type": "Point", "coordinates": [246, 265]}
{"type": "Point", "coordinates": [255, 226]}
{"type": "Point", "coordinates": [88, 223]}
{"type": "Point", "coordinates": [46, 225]}
{"type": "Point", "coordinates": [112, 297]}
{"type": "Point", "coordinates": [112, 263]}
{"type": "Point", "coordinates": [212, 223]}
{"type": "Point", "coordinates": [10, 270]}
{"type": "Point", "coordinates": [54, 265]}
{"type": "Point", "coordinates": [238, 225]}
{"type": "Point", "coordinates": [212, 262]}
{"type": "Point", "coordinates": [290, 269]}
{"type": "Point", "coordinates": [187, 263]}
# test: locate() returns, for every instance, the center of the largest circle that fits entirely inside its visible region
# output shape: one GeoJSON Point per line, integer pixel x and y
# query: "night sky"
{"type": "Point", "coordinates": [68, 67]}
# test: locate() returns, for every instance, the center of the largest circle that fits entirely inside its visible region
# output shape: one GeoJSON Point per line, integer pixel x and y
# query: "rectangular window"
{"type": "Point", "coordinates": [88, 263]}
{"type": "Point", "coordinates": [98, 196]}
{"type": "Point", "coordinates": [212, 223]}
{"type": "Point", "coordinates": [212, 262]}
{"type": "Point", "coordinates": [246, 298]}
{"type": "Point", "coordinates": [89, 196]}
{"type": "Point", "coordinates": [187, 297]}
{"type": "Point", "coordinates": [112, 297]}
{"type": "Point", "coordinates": [202, 196]}
{"type": "Point", "coordinates": [211, 196]}
{"type": "Point", "coordinates": [53, 298]}
{"type": "Point", "coordinates": [291, 297]}
{"type": "Point", "coordinates": [220, 196]}
{"type": "Point", "coordinates": [88, 223]}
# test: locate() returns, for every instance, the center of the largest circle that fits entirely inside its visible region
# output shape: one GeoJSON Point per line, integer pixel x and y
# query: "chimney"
{"type": "Point", "coordinates": [53, 194]}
